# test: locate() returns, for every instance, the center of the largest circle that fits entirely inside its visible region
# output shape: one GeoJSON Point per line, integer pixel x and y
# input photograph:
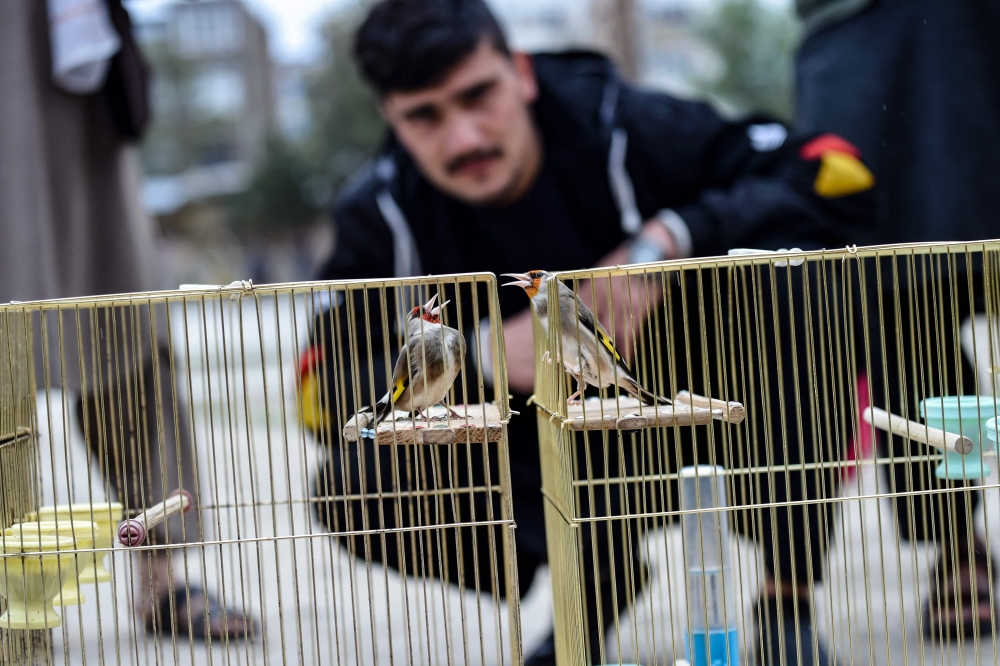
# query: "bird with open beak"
{"type": "Point", "coordinates": [588, 353]}
{"type": "Point", "coordinates": [426, 367]}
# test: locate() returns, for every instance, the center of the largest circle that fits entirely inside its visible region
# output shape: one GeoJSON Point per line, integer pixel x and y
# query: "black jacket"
{"type": "Point", "coordinates": [915, 84]}
{"type": "Point", "coordinates": [678, 154]}
{"type": "Point", "coordinates": [616, 154]}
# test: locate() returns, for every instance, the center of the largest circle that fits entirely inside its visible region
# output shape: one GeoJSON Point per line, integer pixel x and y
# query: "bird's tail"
{"type": "Point", "coordinates": [379, 411]}
{"type": "Point", "coordinates": [632, 386]}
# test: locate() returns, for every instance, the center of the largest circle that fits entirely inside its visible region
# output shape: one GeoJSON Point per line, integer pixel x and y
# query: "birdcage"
{"type": "Point", "coordinates": [162, 451]}
{"type": "Point", "coordinates": [669, 525]}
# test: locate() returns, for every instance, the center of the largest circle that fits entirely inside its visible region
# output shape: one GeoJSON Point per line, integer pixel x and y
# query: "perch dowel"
{"type": "Point", "coordinates": [132, 532]}
{"type": "Point", "coordinates": [627, 413]}
{"type": "Point", "coordinates": [478, 424]}
{"type": "Point", "coordinates": [918, 432]}
{"type": "Point", "coordinates": [731, 412]}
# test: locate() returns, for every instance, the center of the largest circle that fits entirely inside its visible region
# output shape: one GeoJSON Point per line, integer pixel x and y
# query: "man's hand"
{"type": "Point", "coordinates": [517, 335]}
{"type": "Point", "coordinates": [629, 303]}
{"type": "Point", "coordinates": [655, 231]}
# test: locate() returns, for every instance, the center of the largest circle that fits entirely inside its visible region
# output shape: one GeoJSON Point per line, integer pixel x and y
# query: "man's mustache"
{"type": "Point", "coordinates": [459, 162]}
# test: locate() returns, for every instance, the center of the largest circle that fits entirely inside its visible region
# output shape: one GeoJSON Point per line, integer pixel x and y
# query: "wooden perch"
{"type": "Point", "coordinates": [483, 425]}
{"type": "Point", "coordinates": [132, 532]}
{"type": "Point", "coordinates": [918, 432]}
{"type": "Point", "coordinates": [731, 412]}
{"type": "Point", "coordinates": [629, 414]}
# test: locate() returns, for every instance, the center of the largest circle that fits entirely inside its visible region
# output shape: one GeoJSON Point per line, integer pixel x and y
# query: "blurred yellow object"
{"type": "Point", "coordinates": [311, 410]}
{"type": "Point", "coordinates": [841, 174]}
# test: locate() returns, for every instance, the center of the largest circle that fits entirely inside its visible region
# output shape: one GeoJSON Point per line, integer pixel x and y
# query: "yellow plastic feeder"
{"type": "Point", "coordinates": [107, 515]}
{"type": "Point", "coordinates": [32, 571]}
{"type": "Point", "coordinates": [82, 532]}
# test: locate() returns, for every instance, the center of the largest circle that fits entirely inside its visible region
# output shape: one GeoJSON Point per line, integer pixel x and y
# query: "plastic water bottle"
{"type": "Point", "coordinates": [712, 638]}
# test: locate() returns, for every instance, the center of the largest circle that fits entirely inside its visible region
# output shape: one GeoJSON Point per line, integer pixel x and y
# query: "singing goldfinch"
{"type": "Point", "coordinates": [426, 367]}
{"type": "Point", "coordinates": [587, 347]}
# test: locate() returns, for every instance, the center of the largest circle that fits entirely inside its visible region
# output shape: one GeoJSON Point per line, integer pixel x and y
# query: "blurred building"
{"type": "Point", "coordinates": [292, 101]}
{"type": "Point", "coordinates": [665, 51]}
{"type": "Point", "coordinates": [213, 102]}
{"type": "Point", "coordinates": [673, 57]}
{"type": "Point", "coordinates": [545, 25]}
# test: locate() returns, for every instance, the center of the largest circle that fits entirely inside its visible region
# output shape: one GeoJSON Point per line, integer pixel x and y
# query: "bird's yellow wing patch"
{"type": "Point", "coordinates": [606, 341]}
{"type": "Point", "coordinates": [399, 388]}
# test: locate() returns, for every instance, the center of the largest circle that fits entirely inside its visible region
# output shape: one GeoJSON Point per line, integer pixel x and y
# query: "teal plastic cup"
{"type": "Point", "coordinates": [991, 433]}
{"type": "Point", "coordinates": [965, 415]}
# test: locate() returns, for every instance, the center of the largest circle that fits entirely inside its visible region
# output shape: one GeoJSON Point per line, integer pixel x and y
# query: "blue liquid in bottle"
{"type": "Point", "coordinates": [712, 648]}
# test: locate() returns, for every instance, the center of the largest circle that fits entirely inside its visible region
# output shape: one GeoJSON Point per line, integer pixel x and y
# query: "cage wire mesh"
{"type": "Point", "coordinates": [324, 538]}
{"type": "Point", "coordinates": [775, 364]}
{"type": "Point", "coordinates": [18, 463]}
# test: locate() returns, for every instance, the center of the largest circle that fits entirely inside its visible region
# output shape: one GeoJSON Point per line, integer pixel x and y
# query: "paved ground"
{"type": "Point", "coordinates": [317, 606]}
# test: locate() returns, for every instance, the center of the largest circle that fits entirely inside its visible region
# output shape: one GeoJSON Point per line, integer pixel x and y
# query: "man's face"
{"type": "Point", "coordinates": [472, 135]}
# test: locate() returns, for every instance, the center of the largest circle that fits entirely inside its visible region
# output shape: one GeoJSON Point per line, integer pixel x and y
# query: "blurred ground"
{"type": "Point", "coordinates": [315, 605]}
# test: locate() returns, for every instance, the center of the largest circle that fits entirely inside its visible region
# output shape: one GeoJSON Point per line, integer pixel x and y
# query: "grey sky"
{"type": "Point", "coordinates": [293, 23]}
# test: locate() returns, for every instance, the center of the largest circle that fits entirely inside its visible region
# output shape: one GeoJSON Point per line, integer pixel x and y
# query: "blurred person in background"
{"type": "Point", "coordinates": [503, 162]}
{"type": "Point", "coordinates": [915, 84]}
{"type": "Point", "coordinates": [73, 100]}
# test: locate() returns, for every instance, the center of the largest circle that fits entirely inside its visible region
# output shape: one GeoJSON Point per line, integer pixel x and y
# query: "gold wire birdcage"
{"type": "Point", "coordinates": [321, 540]}
{"type": "Point", "coordinates": [668, 526]}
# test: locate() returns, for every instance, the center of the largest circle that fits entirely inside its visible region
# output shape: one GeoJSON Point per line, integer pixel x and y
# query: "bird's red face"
{"type": "Point", "coordinates": [531, 281]}
{"type": "Point", "coordinates": [428, 312]}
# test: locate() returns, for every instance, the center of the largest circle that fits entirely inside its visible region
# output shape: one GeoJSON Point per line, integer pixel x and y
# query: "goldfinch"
{"type": "Point", "coordinates": [426, 367]}
{"type": "Point", "coordinates": [588, 354]}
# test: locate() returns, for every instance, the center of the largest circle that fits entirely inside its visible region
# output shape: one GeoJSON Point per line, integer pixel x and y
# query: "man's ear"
{"type": "Point", "coordinates": [383, 110]}
{"type": "Point", "coordinates": [525, 68]}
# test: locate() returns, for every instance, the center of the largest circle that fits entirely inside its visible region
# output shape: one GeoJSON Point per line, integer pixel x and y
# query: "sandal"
{"type": "Point", "coordinates": [954, 608]}
{"type": "Point", "coordinates": [200, 626]}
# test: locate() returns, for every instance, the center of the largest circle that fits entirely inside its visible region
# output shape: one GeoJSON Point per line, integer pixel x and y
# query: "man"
{"type": "Point", "coordinates": [913, 84]}
{"type": "Point", "coordinates": [71, 224]}
{"type": "Point", "coordinates": [499, 161]}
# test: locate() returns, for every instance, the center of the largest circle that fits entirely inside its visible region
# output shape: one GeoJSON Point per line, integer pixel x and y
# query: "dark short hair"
{"type": "Point", "coordinates": [406, 45]}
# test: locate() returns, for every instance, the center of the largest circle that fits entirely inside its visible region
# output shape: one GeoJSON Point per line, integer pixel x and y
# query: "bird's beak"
{"type": "Point", "coordinates": [429, 304]}
{"type": "Point", "coordinates": [522, 280]}
{"type": "Point", "coordinates": [437, 311]}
